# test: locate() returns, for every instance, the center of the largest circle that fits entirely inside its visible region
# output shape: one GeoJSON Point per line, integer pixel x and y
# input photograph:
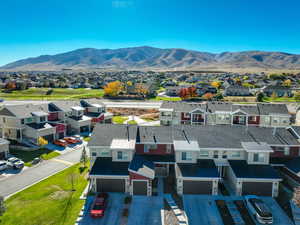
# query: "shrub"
{"type": "Point", "coordinates": [125, 212]}
{"type": "Point", "coordinates": [128, 200]}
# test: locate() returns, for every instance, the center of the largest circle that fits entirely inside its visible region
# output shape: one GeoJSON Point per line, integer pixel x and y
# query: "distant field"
{"type": "Point", "coordinates": [58, 93]}
{"type": "Point", "coordinates": [280, 99]}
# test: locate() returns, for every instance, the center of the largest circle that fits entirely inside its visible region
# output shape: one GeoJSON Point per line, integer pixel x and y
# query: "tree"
{"type": "Point", "coordinates": [11, 85]}
{"type": "Point", "coordinates": [297, 95]}
{"type": "Point", "coordinates": [183, 93]}
{"type": "Point", "coordinates": [260, 96]}
{"type": "Point", "coordinates": [141, 89]}
{"type": "Point", "coordinates": [72, 177]}
{"type": "Point", "coordinates": [84, 157]}
{"type": "Point", "coordinates": [287, 83]}
{"type": "Point", "coordinates": [192, 92]}
{"type": "Point", "coordinates": [2, 206]}
{"type": "Point", "coordinates": [274, 95]}
{"type": "Point", "coordinates": [113, 89]}
{"type": "Point", "coordinates": [215, 84]}
{"type": "Point", "coordinates": [208, 96]}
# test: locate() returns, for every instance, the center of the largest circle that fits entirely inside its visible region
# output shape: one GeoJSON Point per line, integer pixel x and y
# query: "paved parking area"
{"type": "Point", "coordinates": [112, 214]}
{"type": "Point", "coordinates": [201, 209]}
{"type": "Point", "coordinates": [279, 216]}
{"type": "Point", "coordinates": [146, 210]}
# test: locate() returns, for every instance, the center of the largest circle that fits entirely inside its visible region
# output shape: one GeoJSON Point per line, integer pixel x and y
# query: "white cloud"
{"type": "Point", "coordinates": [122, 3]}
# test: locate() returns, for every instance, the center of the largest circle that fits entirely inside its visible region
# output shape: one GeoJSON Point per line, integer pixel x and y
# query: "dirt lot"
{"type": "Point", "coordinates": [131, 111]}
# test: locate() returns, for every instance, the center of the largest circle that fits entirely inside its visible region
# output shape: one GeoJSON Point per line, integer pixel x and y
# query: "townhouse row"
{"type": "Point", "coordinates": [199, 158]}
{"type": "Point", "coordinates": [31, 123]}
{"type": "Point", "coordinates": [217, 113]}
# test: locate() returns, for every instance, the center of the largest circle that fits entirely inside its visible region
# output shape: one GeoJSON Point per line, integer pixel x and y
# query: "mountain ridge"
{"type": "Point", "coordinates": [156, 58]}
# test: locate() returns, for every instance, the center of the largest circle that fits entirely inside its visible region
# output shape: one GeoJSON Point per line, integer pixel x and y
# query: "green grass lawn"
{"type": "Point", "coordinates": [49, 202]}
{"type": "Point", "coordinates": [119, 119]}
{"type": "Point", "coordinates": [159, 98]}
{"type": "Point", "coordinates": [28, 156]}
{"type": "Point", "coordinates": [280, 99]}
{"type": "Point", "coordinates": [132, 122]}
{"type": "Point", "coordinates": [58, 93]}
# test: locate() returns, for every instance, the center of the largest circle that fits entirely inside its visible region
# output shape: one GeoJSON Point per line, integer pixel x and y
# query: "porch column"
{"type": "Point", "coordinates": [275, 188]}
{"type": "Point", "coordinates": [246, 120]}
{"type": "Point", "coordinates": [239, 186]}
{"type": "Point", "coordinates": [21, 135]}
{"type": "Point", "coordinates": [231, 119]}
{"type": "Point", "coordinates": [215, 187]}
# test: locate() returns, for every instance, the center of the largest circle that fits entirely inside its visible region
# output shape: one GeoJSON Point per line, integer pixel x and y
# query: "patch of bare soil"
{"type": "Point", "coordinates": [131, 111]}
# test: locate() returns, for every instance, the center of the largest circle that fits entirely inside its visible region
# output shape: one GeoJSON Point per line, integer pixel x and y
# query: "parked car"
{"type": "Point", "coordinates": [72, 140]}
{"type": "Point", "coordinates": [15, 163]}
{"type": "Point", "coordinates": [258, 208]}
{"type": "Point", "coordinates": [61, 142]}
{"type": "Point", "coordinates": [3, 165]}
{"type": "Point", "coordinates": [99, 205]}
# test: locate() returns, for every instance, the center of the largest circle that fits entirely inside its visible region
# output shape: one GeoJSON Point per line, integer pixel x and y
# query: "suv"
{"type": "Point", "coordinates": [3, 165]}
{"type": "Point", "coordinates": [15, 163]}
{"type": "Point", "coordinates": [99, 205]}
{"type": "Point", "coordinates": [259, 209]}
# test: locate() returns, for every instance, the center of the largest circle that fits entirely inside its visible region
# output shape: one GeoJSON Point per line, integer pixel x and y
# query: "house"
{"type": "Point", "coordinates": [71, 114]}
{"type": "Point", "coordinates": [95, 110]}
{"type": "Point", "coordinates": [199, 158]}
{"type": "Point", "coordinates": [214, 113]}
{"type": "Point", "coordinates": [237, 90]}
{"type": "Point", "coordinates": [4, 148]}
{"type": "Point", "coordinates": [26, 123]}
{"type": "Point", "coordinates": [280, 91]}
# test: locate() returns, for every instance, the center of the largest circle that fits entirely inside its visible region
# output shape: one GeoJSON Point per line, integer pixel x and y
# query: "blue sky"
{"type": "Point", "coordinates": [35, 27]}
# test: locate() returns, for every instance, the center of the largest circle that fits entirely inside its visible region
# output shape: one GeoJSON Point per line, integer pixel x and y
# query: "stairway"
{"type": "Point", "coordinates": [181, 217]}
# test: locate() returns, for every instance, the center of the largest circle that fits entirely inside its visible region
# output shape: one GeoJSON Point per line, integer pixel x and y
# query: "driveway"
{"type": "Point", "coordinates": [279, 216]}
{"type": "Point", "coordinates": [18, 182]}
{"type": "Point", "coordinates": [145, 210]}
{"type": "Point", "coordinates": [113, 211]}
{"type": "Point", "coordinates": [201, 209]}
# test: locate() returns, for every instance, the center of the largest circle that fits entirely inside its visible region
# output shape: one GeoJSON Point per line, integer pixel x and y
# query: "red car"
{"type": "Point", "coordinates": [61, 142]}
{"type": "Point", "coordinates": [71, 140]}
{"type": "Point", "coordinates": [99, 205]}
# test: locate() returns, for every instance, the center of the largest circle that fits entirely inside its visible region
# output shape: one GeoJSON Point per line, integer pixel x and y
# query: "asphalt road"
{"type": "Point", "coordinates": [15, 183]}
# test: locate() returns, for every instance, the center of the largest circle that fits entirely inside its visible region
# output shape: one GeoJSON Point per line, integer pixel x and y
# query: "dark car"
{"type": "Point", "coordinates": [99, 205]}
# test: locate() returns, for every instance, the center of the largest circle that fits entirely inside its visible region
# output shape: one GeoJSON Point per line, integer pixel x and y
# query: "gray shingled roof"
{"type": "Point", "coordinates": [66, 105]}
{"type": "Point", "coordinates": [103, 134]}
{"type": "Point", "coordinates": [183, 106]}
{"type": "Point", "coordinates": [249, 109]}
{"type": "Point", "coordinates": [160, 134]}
{"type": "Point", "coordinates": [24, 110]}
{"type": "Point", "coordinates": [269, 109]}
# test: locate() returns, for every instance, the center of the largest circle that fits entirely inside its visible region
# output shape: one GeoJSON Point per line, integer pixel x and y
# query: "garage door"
{"type": "Point", "coordinates": [49, 137]}
{"type": "Point", "coordinates": [197, 187]}
{"type": "Point", "coordinates": [61, 135]}
{"type": "Point", "coordinates": [110, 185]}
{"type": "Point", "coordinates": [2, 155]}
{"type": "Point", "coordinates": [140, 187]}
{"type": "Point", "coordinates": [257, 188]}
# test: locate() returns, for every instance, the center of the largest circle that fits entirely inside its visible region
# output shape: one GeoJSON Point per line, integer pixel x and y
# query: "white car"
{"type": "Point", "coordinates": [258, 209]}
{"type": "Point", "coordinates": [15, 163]}
{"type": "Point", "coordinates": [3, 165]}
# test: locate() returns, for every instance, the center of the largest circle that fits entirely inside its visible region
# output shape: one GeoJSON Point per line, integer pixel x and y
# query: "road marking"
{"type": "Point", "coordinates": [63, 161]}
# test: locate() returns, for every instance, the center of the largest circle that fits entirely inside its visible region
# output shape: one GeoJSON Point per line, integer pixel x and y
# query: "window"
{"type": "Point", "coordinates": [22, 121]}
{"type": "Point", "coordinates": [119, 155]}
{"type": "Point", "coordinates": [252, 118]}
{"type": "Point", "coordinates": [236, 154]}
{"type": "Point", "coordinates": [224, 154]}
{"type": "Point", "coordinates": [42, 119]}
{"type": "Point", "coordinates": [216, 154]}
{"type": "Point", "coordinates": [4, 120]}
{"type": "Point", "coordinates": [204, 153]}
{"type": "Point", "coordinates": [104, 153]}
{"type": "Point", "coordinates": [149, 147]}
{"type": "Point", "coordinates": [258, 157]}
{"type": "Point", "coordinates": [94, 153]}
{"type": "Point", "coordinates": [186, 156]}
{"type": "Point", "coordinates": [286, 151]}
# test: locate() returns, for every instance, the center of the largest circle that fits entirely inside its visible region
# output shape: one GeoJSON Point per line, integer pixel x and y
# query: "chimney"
{"type": "Point", "coordinates": [274, 131]}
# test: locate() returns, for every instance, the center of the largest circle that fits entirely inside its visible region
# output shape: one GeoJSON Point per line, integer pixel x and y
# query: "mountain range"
{"type": "Point", "coordinates": [146, 57]}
